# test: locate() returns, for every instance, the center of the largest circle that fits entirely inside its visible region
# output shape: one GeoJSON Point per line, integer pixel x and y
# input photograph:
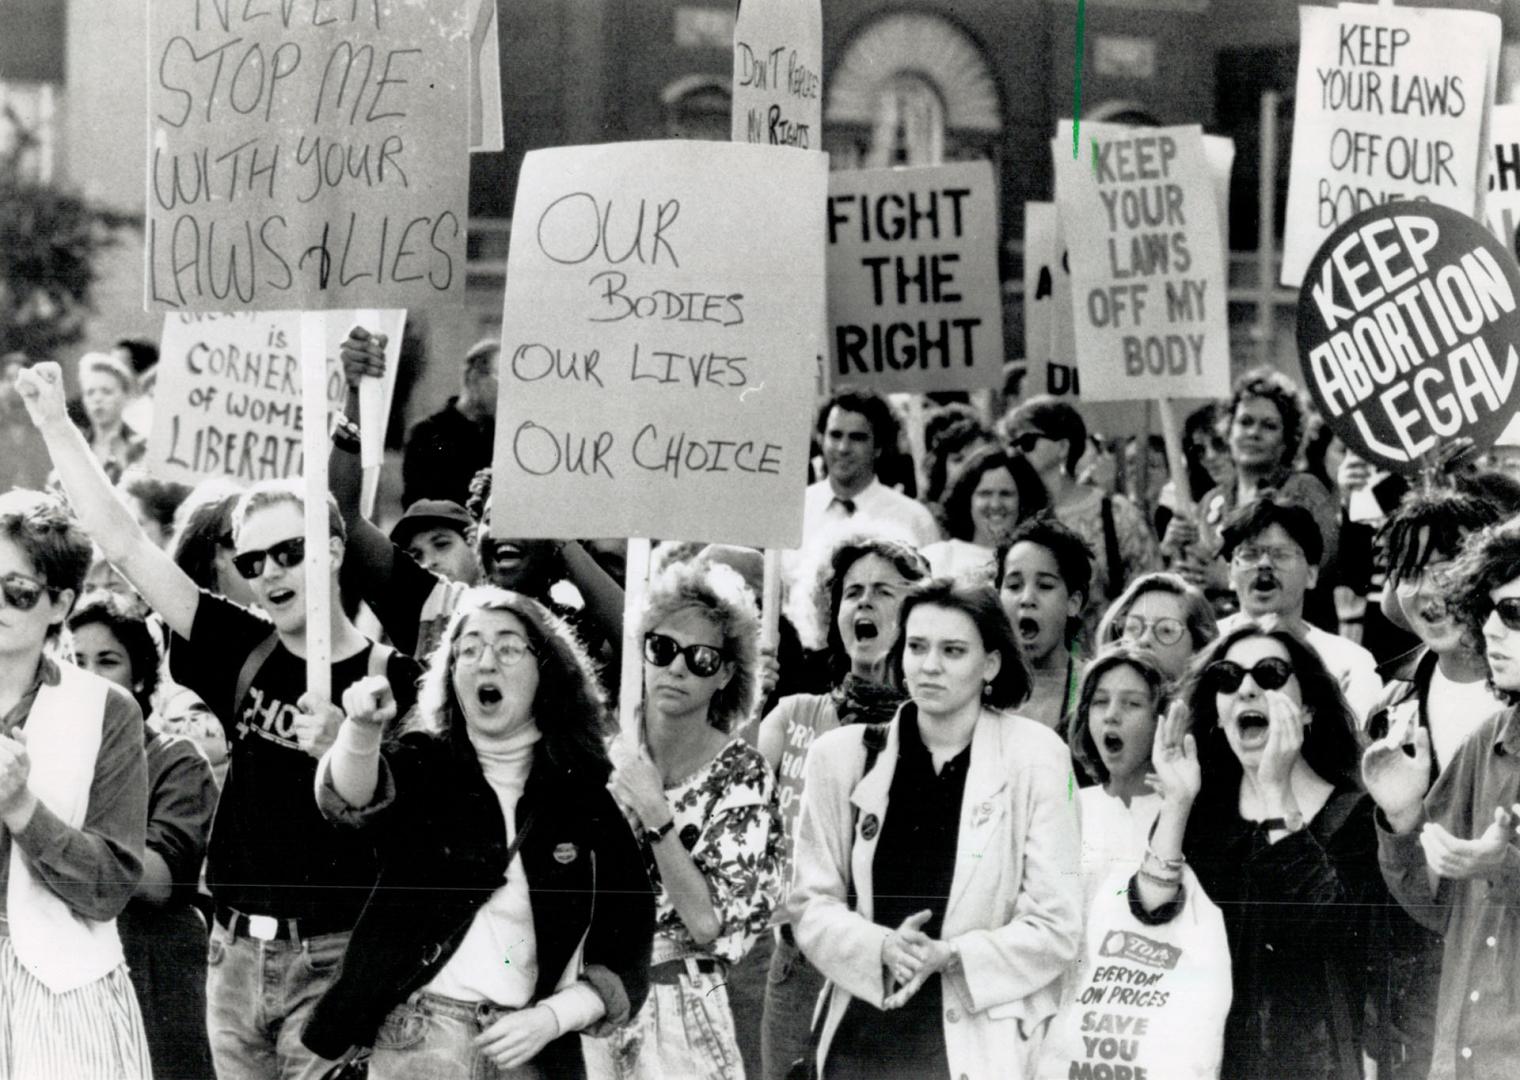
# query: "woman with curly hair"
{"type": "Point", "coordinates": [988, 495]}
{"type": "Point", "coordinates": [702, 801]}
{"type": "Point", "coordinates": [512, 911]}
{"type": "Point", "coordinates": [860, 590]}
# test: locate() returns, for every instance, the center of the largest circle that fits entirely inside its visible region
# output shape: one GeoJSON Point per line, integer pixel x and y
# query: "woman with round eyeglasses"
{"type": "Point", "coordinates": [512, 912]}
{"type": "Point", "coordinates": [1281, 837]}
{"type": "Point", "coordinates": [1166, 616]}
{"type": "Point", "coordinates": [702, 801]}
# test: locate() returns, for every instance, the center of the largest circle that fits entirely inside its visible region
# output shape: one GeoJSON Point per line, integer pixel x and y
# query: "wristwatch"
{"type": "Point", "coordinates": [1291, 823]}
{"type": "Point", "coordinates": [654, 836]}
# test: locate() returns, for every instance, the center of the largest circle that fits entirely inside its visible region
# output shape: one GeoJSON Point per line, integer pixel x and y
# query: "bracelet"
{"type": "Point", "coordinates": [1157, 879]}
{"type": "Point", "coordinates": [1171, 864]}
{"type": "Point", "coordinates": [345, 435]}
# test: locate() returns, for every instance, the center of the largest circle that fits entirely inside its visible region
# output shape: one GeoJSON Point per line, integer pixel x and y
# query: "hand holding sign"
{"type": "Point", "coordinates": [1406, 329]}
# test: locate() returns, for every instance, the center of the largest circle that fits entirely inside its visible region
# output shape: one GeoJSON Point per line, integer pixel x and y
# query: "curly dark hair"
{"type": "Point", "coordinates": [126, 619]}
{"type": "Point", "coordinates": [1009, 688]}
{"type": "Point", "coordinates": [1079, 735]}
{"type": "Point", "coordinates": [1072, 555]}
{"type": "Point", "coordinates": [1031, 491]}
{"type": "Point", "coordinates": [828, 590]}
{"type": "Point", "coordinates": [1260, 514]}
{"type": "Point", "coordinates": [1331, 747]}
{"type": "Point", "coordinates": [1490, 559]}
{"type": "Point", "coordinates": [948, 432]}
{"type": "Point", "coordinates": [1427, 527]}
{"type": "Point", "coordinates": [569, 706]}
{"type": "Point", "coordinates": [873, 407]}
{"type": "Point", "coordinates": [1272, 385]}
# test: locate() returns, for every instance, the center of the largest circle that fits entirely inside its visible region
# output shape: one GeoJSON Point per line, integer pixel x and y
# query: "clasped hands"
{"type": "Point", "coordinates": [910, 956]}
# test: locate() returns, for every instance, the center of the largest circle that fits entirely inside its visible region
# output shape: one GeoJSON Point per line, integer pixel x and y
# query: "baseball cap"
{"type": "Point", "coordinates": [430, 514]}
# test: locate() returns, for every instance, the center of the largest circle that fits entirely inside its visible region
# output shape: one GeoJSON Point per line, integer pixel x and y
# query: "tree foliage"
{"type": "Point", "coordinates": [49, 242]}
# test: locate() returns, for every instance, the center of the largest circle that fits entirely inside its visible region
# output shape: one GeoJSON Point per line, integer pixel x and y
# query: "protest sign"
{"type": "Point", "coordinates": [1391, 105]}
{"type": "Point", "coordinates": [1501, 207]}
{"type": "Point", "coordinates": [228, 394]}
{"type": "Point", "coordinates": [485, 78]}
{"type": "Point", "coordinates": [305, 155]}
{"type": "Point", "coordinates": [657, 365]}
{"type": "Point", "coordinates": [1406, 329]}
{"type": "Point", "coordinates": [914, 298]}
{"type": "Point", "coordinates": [1147, 263]}
{"type": "Point", "coordinates": [778, 73]}
{"type": "Point", "coordinates": [1049, 356]}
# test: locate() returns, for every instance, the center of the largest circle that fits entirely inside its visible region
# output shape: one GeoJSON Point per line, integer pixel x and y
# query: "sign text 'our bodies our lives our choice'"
{"type": "Point", "coordinates": [659, 343]}
{"type": "Point", "coordinates": [303, 154]}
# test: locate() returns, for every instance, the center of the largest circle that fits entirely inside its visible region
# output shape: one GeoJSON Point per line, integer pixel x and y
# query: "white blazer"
{"type": "Point", "coordinates": [1015, 907]}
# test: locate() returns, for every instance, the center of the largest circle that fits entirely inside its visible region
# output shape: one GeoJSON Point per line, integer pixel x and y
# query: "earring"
{"type": "Point", "coordinates": [986, 690]}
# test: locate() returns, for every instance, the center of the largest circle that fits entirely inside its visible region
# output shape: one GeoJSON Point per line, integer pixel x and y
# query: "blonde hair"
{"type": "Point", "coordinates": [717, 592]}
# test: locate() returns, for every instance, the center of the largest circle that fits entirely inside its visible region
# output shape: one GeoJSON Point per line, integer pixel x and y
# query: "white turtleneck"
{"type": "Point", "coordinates": [498, 959]}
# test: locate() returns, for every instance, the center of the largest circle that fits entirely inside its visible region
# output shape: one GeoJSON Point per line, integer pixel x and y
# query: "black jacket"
{"type": "Point", "coordinates": [442, 840]}
{"type": "Point", "coordinates": [443, 452]}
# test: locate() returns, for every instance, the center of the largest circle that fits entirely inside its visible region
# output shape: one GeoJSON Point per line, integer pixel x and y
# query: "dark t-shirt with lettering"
{"type": "Point", "coordinates": [271, 850]}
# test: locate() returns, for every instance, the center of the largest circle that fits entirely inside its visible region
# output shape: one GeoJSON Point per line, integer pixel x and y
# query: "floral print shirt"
{"type": "Point", "coordinates": [726, 816]}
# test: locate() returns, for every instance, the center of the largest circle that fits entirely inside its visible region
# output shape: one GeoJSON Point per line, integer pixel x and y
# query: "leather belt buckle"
{"type": "Point", "coordinates": [263, 927]}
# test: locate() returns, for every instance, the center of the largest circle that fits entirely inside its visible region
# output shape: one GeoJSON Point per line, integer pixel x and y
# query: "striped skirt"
{"type": "Point", "coordinates": [93, 1033]}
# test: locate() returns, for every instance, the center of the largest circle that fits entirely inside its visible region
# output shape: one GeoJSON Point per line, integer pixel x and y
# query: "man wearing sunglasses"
{"type": "Point", "coordinates": [1448, 849]}
{"type": "Point", "coordinates": [288, 885]}
{"type": "Point", "coordinates": [74, 806]}
{"type": "Point", "coordinates": [1273, 548]}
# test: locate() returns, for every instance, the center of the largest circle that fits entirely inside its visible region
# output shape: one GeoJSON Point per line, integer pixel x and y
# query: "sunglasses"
{"type": "Point", "coordinates": [22, 592]}
{"type": "Point", "coordinates": [1225, 676]}
{"type": "Point", "coordinates": [1165, 630]}
{"type": "Point", "coordinates": [1507, 609]}
{"type": "Point", "coordinates": [1028, 441]}
{"type": "Point", "coordinates": [702, 661]}
{"type": "Point", "coordinates": [286, 553]}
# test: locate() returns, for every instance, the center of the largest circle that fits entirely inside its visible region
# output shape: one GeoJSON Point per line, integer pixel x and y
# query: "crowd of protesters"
{"type": "Point", "coordinates": [1041, 707]}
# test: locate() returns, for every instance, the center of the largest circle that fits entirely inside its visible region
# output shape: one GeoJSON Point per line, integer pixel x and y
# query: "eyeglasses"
{"type": "Point", "coordinates": [1250, 554]}
{"type": "Point", "coordinates": [286, 553]}
{"type": "Point", "coordinates": [509, 649]}
{"type": "Point", "coordinates": [22, 592]}
{"type": "Point", "coordinates": [1028, 441]}
{"type": "Point", "coordinates": [1507, 609]}
{"type": "Point", "coordinates": [701, 660]}
{"type": "Point", "coordinates": [1225, 676]}
{"type": "Point", "coordinates": [1166, 630]}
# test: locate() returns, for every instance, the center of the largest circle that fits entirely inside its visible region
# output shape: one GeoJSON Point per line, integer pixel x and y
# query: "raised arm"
{"type": "Point", "coordinates": [101, 510]}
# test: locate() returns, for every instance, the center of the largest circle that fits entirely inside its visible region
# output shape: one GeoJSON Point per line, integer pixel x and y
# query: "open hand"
{"type": "Point", "coordinates": [1457, 859]}
{"type": "Point", "coordinates": [1285, 739]}
{"type": "Point", "coordinates": [1177, 777]}
{"type": "Point", "coordinates": [1396, 770]}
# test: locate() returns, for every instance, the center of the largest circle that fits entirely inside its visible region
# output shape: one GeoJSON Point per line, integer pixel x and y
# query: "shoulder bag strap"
{"type": "Point", "coordinates": [250, 668]}
{"type": "Point", "coordinates": [1111, 549]}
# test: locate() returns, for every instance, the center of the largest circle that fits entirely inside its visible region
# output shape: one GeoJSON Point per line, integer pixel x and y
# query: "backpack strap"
{"type": "Point", "coordinates": [1111, 550]}
{"type": "Point", "coordinates": [251, 664]}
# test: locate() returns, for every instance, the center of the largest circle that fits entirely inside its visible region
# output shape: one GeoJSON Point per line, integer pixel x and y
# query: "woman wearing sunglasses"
{"type": "Point", "coordinates": [702, 801]}
{"type": "Point", "coordinates": [860, 589]}
{"type": "Point", "coordinates": [1163, 614]}
{"type": "Point", "coordinates": [935, 882]}
{"type": "Point", "coordinates": [1281, 837]}
{"type": "Point", "coordinates": [503, 858]}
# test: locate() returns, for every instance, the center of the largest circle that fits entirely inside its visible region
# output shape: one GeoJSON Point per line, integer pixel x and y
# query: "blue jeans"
{"type": "Point", "coordinates": [258, 997]}
{"type": "Point", "coordinates": [791, 995]}
{"type": "Point", "coordinates": [431, 1037]}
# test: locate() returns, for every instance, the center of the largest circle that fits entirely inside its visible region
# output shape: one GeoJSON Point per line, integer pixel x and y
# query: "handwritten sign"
{"type": "Point", "coordinates": [778, 73]}
{"type": "Point", "coordinates": [1406, 328]}
{"type": "Point", "coordinates": [1501, 207]}
{"type": "Point", "coordinates": [1147, 263]}
{"type": "Point", "coordinates": [662, 312]}
{"type": "Point", "coordinates": [228, 396]}
{"type": "Point", "coordinates": [1390, 106]}
{"type": "Point", "coordinates": [305, 154]}
{"type": "Point", "coordinates": [485, 78]}
{"type": "Point", "coordinates": [1049, 353]}
{"type": "Point", "coordinates": [914, 299]}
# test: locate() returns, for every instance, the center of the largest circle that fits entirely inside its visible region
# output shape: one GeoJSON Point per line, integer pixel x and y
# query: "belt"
{"type": "Point", "coordinates": [269, 928]}
{"type": "Point", "coordinates": [669, 973]}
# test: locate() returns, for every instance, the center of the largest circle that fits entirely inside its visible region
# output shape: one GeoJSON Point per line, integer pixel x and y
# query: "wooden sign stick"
{"type": "Point", "coordinates": [631, 676]}
{"type": "Point", "coordinates": [318, 563]}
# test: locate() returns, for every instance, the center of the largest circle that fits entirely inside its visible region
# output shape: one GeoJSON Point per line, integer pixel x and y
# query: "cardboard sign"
{"type": "Point", "coordinates": [778, 73]}
{"type": "Point", "coordinates": [228, 397]}
{"type": "Point", "coordinates": [914, 299]}
{"type": "Point", "coordinates": [1390, 106]}
{"type": "Point", "coordinates": [305, 155]}
{"type": "Point", "coordinates": [1147, 263]}
{"type": "Point", "coordinates": [1501, 206]}
{"type": "Point", "coordinates": [1406, 330]}
{"type": "Point", "coordinates": [658, 358]}
{"type": "Point", "coordinates": [485, 78]}
{"type": "Point", "coordinates": [1049, 365]}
